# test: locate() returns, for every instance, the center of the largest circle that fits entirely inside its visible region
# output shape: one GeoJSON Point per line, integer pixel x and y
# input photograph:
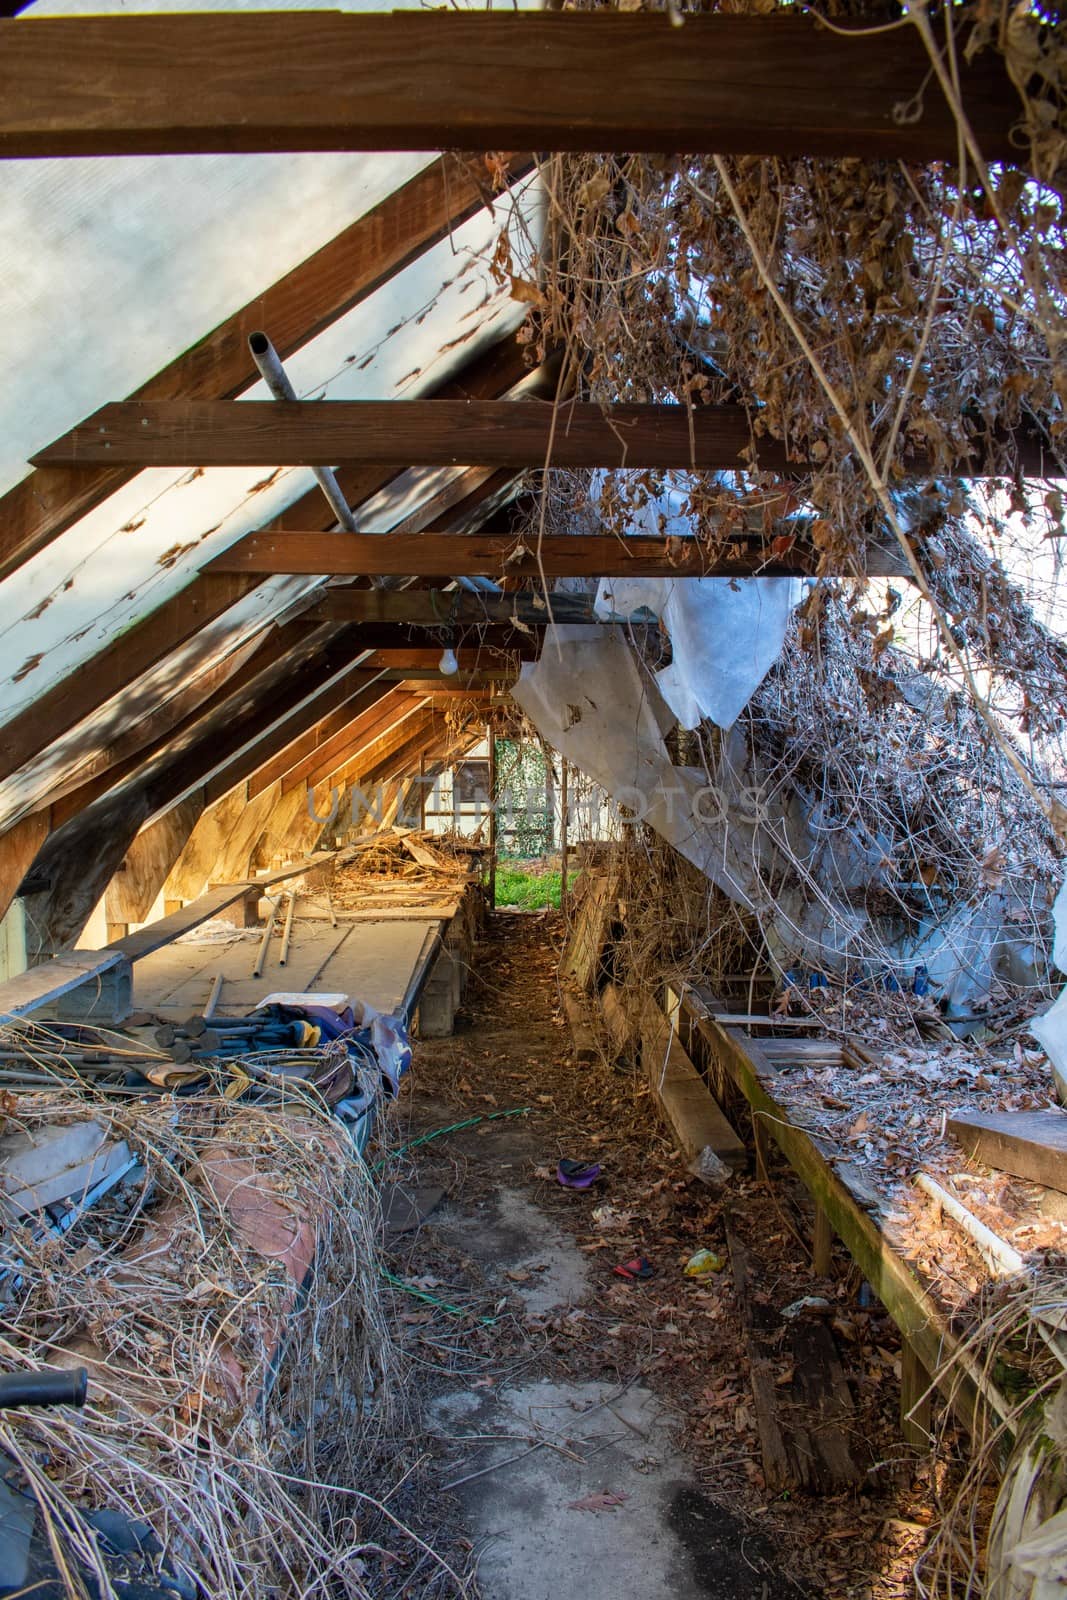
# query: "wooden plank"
{"type": "Point", "coordinates": [270, 728]}
{"type": "Point", "coordinates": [583, 1039]}
{"type": "Point", "coordinates": [916, 1400]}
{"type": "Point", "coordinates": [391, 755]}
{"type": "Point", "coordinates": [512, 434]}
{"type": "Point", "coordinates": [804, 1421]}
{"type": "Point", "coordinates": [492, 551]}
{"type": "Point", "coordinates": [685, 1099]}
{"type": "Point", "coordinates": [415, 659]}
{"type": "Point", "coordinates": [293, 310]}
{"type": "Point", "coordinates": [72, 872]}
{"type": "Point", "coordinates": [457, 80]}
{"type": "Point", "coordinates": [1028, 1144]}
{"type": "Point", "coordinates": [40, 985]}
{"type": "Point", "coordinates": [130, 894]}
{"type": "Point", "coordinates": [589, 928]}
{"type": "Point", "coordinates": [18, 848]}
{"type": "Point", "coordinates": [893, 1280]}
{"type": "Point", "coordinates": [398, 636]}
{"type": "Point", "coordinates": [622, 1030]}
{"type": "Point", "coordinates": [402, 433]}
{"type": "Point", "coordinates": [131, 754]}
{"type": "Point", "coordinates": [822, 1244]}
{"type": "Point", "coordinates": [167, 929]}
{"type": "Point", "coordinates": [366, 734]}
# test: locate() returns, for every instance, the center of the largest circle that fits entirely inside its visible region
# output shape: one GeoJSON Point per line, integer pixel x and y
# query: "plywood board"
{"type": "Point", "coordinates": [371, 961]}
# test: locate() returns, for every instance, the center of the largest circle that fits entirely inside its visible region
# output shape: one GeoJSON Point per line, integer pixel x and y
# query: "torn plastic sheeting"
{"type": "Point", "coordinates": [726, 634]}
{"type": "Point", "coordinates": [588, 698]}
{"type": "Point", "coordinates": [1050, 1030]}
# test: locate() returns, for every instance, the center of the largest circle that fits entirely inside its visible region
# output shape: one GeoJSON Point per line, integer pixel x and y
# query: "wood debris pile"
{"type": "Point", "coordinates": [403, 868]}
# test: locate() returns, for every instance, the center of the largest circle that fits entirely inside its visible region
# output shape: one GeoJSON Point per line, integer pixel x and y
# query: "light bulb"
{"type": "Point", "coordinates": [448, 663]}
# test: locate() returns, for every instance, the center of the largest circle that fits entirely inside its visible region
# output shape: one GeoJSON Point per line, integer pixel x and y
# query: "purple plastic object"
{"type": "Point", "coordinates": [576, 1175]}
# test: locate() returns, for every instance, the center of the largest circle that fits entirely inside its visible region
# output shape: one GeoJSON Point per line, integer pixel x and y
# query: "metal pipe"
{"type": "Point", "coordinates": [261, 953]}
{"type": "Point", "coordinates": [1002, 1258]}
{"type": "Point", "coordinates": [288, 934]}
{"type": "Point", "coordinates": [213, 997]}
{"type": "Point", "coordinates": [269, 365]}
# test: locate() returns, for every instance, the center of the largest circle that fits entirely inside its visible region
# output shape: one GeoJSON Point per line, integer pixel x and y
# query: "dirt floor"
{"type": "Point", "coordinates": [569, 1429]}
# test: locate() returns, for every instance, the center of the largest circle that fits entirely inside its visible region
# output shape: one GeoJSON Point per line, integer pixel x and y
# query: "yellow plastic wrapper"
{"type": "Point", "coordinates": [703, 1263]}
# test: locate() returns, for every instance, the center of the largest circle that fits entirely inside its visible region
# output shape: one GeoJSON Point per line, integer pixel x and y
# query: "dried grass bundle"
{"type": "Point", "coordinates": [230, 1408]}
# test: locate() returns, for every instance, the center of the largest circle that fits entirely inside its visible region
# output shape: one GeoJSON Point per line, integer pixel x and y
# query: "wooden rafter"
{"type": "Point", "coordinates": [136, 746]}
{"type": "Point", "coordinates": [360, 732]}
{"type": "Point", "coordinates": [389, 755]}
{"type": "Point", "coordinates": [324, 287]}
{"type": "Point", "coordinates": [470, 658]}
{"type": "Point", "coordinates": [324, 674]}
{"type": "Point", "coordinates": [373, 756]}
{"type": "Point", "coordinates": [306, 745]}
{"type": "Point", "coordinates": [400, 433]}
{"type": "Point", "coordinates": [117, 666]}
{"type": "Point", "coordinates": [752, 85]}
{"type": "Point", "coordinates": [490, 553]}
{"type": "Point", "coordinates": [257, 684]}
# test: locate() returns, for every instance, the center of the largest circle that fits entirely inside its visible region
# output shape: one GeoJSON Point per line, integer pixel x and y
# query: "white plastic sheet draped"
{"type": "Point", "coordinates": [1050, 1031]}
{"type": "Point", "coordinates": [726, 634]}
{"type": "Point", "coordinates": [591, 699]}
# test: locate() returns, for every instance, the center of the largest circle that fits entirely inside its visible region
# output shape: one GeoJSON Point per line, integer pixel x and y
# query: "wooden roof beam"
{"type": "Point", "coordinates": [154, 85]}
{"type": "Point", "coordinates": [377, 764]}
{"type": "Point", "coordinates": [317, 683]}
{"type": "Point", "coordinates": [149, 736]}
{"type": "Point", "coordinates": [117, 666]}
{"type": "Point", "coordinates": [492, 553]}
{"type": "Point", "coordinates": [438, 608]}
{"type": "Point", "coordinates": [417, 659]}
{"type": "Point", "coordinates": [375, 755]}
{"type": "Point", "coordinates": [514, 434]}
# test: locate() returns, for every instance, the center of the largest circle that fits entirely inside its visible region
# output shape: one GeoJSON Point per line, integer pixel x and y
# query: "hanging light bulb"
{"type": "Point", "coordinates": [448, 663]}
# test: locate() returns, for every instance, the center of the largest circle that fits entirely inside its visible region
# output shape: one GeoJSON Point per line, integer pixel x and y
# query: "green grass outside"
{"type": "Point", "coordinates": [530, 890]}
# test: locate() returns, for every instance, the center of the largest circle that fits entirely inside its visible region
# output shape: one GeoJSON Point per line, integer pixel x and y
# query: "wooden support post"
{"type": "Point", "coordinates": [821, 1243]}
{"type": "Point", "coordinates": [492, 816]}
{"type": "Point", "coordinates": [563, 891]}
{"type": "Point", "coordinates": [422, 793]}
{"type": "Point", "coordinates": [762, 1143]}
{"type": "Point", "coordinates": [117, 930]}
{"type": "Point", "coordinates": [916, 1400]}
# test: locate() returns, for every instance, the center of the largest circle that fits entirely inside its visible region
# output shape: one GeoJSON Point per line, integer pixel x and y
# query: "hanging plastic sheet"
{"type": "Point", "coordinates": [1050, 1030]}
{"type": "Point", "coordinates": [726, 634]}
